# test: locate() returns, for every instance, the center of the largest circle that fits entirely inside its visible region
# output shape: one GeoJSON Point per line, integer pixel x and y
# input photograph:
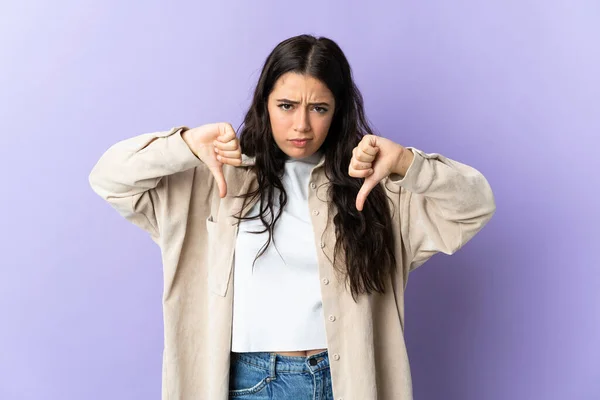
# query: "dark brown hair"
{"type": "Point", "coordinates": [366, 238]}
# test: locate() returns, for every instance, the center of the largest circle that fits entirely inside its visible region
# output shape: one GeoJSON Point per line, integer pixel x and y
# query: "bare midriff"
{"type": "Point", "coordinates": [302, 353]}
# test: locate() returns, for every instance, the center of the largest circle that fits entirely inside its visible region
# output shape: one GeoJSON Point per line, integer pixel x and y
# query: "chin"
{"type": "Point", "coordinates": [300, 153]}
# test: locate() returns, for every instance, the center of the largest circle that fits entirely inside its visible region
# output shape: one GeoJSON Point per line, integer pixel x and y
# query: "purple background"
{"type": "Point", "coordinates": [510, 87]}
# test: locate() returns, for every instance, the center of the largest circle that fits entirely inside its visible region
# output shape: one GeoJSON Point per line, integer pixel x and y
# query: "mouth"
{"type": "Point", "coordinates": [299, 142]}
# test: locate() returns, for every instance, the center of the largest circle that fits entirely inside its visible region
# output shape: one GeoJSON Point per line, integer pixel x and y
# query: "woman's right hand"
{"type": "Point", "coordinates": [215, 144]}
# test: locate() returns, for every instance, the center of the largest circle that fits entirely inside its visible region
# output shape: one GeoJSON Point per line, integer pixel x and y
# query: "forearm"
{"type": "Point", "coordinates": [136, 164]}
{"type": "Point", "coordinates": [445, 203]}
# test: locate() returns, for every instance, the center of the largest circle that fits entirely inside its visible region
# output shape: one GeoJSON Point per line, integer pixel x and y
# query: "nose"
{"type": "Point", "coordinates": [302, 122]}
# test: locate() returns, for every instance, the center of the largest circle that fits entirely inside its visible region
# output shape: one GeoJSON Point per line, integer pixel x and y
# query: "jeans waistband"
{"type": "Point", "coordinates": [277, 363]}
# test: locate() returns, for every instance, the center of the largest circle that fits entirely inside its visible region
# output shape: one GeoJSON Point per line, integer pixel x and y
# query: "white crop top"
{"type": "Point", "coordinates": [277, 306]}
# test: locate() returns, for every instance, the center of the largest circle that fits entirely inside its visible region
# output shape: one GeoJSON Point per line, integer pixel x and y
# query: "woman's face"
{"type": "Point", "coordinates": [300, 109]}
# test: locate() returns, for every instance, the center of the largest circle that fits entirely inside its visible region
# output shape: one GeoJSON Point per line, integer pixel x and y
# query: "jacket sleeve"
{"type": "Point", "coordinates": [128, 174]}
{"type": "Point", "coordinates": [443, 204]}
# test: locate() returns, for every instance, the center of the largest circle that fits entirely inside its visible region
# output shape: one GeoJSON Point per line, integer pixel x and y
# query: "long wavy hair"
{"type": "Point", "coordinates": [364, 239]}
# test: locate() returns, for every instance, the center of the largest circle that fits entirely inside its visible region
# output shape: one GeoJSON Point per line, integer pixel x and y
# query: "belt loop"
{"type": "Point", "coordinates": [272, 364]}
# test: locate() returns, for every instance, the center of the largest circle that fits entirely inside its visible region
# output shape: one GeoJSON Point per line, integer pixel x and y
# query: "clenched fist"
{"type": "Point", "coordinates": [374, 159]}
{"type": "Point", "coordinates": [215, 144]}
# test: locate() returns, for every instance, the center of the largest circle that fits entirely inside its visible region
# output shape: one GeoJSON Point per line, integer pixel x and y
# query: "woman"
{"type": "Point", "coordinates": [286, 253]}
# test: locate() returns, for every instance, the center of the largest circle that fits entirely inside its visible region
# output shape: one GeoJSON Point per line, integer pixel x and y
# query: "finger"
{"type": "Point", "coordinates": [229, 153]}
{"type": "Point", "coordinates": [220, 178]}
{"type": "Point", "coordinates": [354, 163]}
{"type": "Point", "coordinates": [364, 191]}
{"type": "Point", "coordinates": [229, 146]}
{"type": "Point", "coordinates": [226, 133]}
{"type": "Point", "coordinates": [235, 161]}
{"type": "Point", "coordinates": [366, 153]}
{"type": "Point", "coordinates": [370, 140]}
{"type": "Point", "coordinates": [360, 173]}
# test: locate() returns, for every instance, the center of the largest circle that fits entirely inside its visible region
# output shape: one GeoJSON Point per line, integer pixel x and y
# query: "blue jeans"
{"type": "Point", "coordinates": [270, 376]}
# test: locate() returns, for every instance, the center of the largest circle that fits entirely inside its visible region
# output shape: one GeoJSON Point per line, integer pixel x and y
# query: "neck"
{"type": "Point", "coordinates": [312, 159]}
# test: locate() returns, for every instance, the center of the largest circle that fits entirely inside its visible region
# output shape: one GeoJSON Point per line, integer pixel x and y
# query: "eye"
{"type": "Point", "coordinates": [283, 105]}
{"type": "Point", "coordinates": [321, 110]}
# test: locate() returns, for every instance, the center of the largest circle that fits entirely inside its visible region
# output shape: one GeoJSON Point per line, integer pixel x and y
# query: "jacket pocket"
{"type": "Point", "coordinates": [219, 258]}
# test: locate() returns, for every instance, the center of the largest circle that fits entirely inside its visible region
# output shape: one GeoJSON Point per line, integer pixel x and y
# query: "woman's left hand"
{"type": "Point", "coordinates": [374, 159]}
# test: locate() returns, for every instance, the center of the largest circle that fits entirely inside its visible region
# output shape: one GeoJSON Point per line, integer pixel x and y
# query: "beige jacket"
{"type": "Point", "coordinates": [163, 188]}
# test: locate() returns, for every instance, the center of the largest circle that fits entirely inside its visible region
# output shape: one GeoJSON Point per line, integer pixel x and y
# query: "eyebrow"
{"type": "Point", "coordinates": [297, 102]}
